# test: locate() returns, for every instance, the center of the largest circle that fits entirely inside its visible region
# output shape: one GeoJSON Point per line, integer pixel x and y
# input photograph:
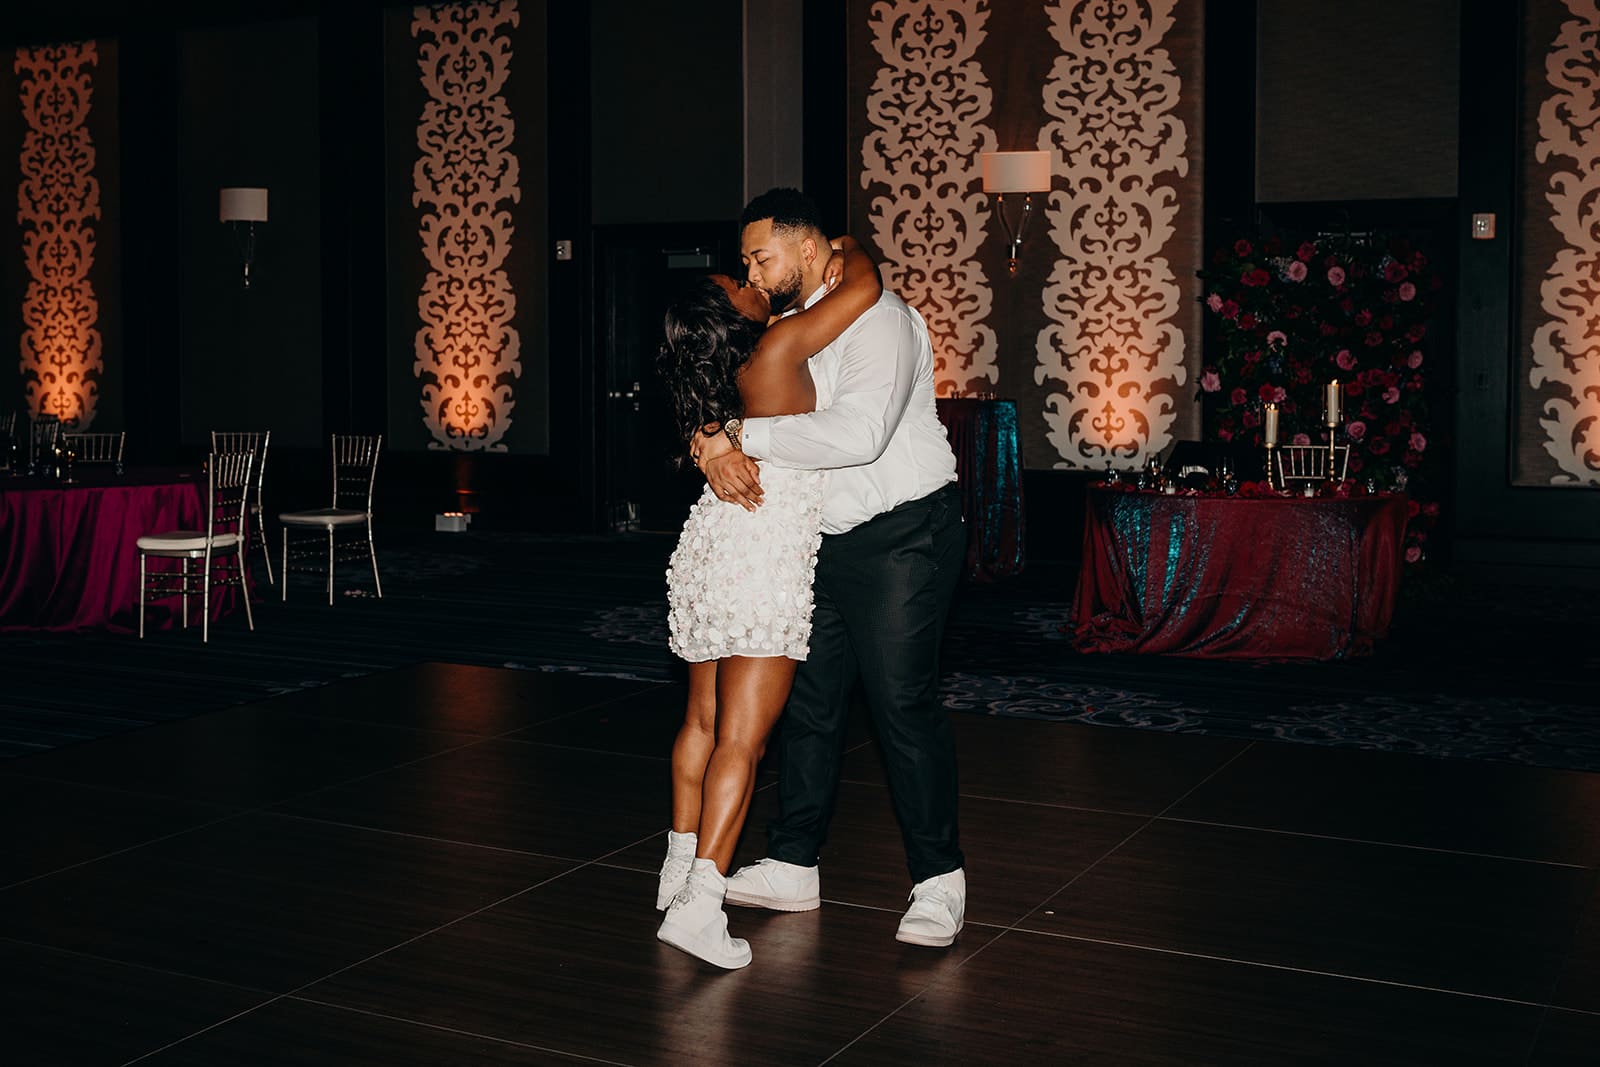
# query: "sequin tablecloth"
{"type": "Point", "coordinates": [983, 435]}
{"type": "Point", "coordinates": [1238, 578]}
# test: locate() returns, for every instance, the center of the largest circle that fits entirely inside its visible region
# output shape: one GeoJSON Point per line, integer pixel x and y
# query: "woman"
{"type": "Point", "coordinates": [739, 583]}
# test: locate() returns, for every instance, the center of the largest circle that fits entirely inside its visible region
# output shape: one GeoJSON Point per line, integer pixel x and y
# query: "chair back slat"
{"type": "Point", "coordinates": [1309, 463]}
{"type": "Point", "coordinates": [228, 491]}
{"type": "Point", "coordinates": [355, 470]}
{"type": "Point", "coordinates": [95, 447]}
{"type": "Point", "coordinates": [46, 432]}
{"type": "Point", "coordinates": [246, 441]}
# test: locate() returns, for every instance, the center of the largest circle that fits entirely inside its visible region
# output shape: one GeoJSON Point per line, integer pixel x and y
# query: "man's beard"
{"type": "Point", "coordinates": [786, 293]}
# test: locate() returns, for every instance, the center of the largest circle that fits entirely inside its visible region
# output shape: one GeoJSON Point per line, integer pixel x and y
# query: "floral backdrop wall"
{"type": "Point", "coordinates": [1294, 317]}
{"type": "Point", "coordinates": [1097, 334]}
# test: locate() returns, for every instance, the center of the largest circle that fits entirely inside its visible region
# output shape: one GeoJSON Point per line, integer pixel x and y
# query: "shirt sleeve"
{"type": "Point", "coordinates": [877, 367]}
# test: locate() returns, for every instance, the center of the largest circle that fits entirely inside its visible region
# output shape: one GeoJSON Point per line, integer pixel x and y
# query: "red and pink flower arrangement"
{"type": "Point", "coordinates": [1292, 318]}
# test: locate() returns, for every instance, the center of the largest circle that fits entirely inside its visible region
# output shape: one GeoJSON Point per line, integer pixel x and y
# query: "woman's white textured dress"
{"type": "Point", "coordinates": [739, 582]}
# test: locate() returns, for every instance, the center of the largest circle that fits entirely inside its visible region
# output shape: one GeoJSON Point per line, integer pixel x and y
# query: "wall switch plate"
{"type": "Point", "coordinates": [1483, 226]}
{"type": "Point", "coordinates": [563, 250]}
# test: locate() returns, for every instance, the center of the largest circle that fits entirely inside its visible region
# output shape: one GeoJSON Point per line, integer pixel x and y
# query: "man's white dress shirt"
{"type": "Point", "coordinates": [879, 436]}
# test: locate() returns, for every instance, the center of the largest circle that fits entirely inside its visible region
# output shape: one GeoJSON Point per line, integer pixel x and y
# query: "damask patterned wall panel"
{"type": "Point", "coordinates": [927, 108]}
{"type": "Point", "coordinates": [1097, 335]}
{"type": "Point", "coordinates": [58, 209]}
{"type": "Point", "coordinates": [468, 352]}
{"type": "Point", "coordinates": [1558, 381]}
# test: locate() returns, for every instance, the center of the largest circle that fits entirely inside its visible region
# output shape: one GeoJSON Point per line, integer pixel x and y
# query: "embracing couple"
{"type": "Point", "coordinates": [824, 551]}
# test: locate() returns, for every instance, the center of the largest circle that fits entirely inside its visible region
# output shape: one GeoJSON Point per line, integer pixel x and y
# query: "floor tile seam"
{"type": "Point", "coordinates": [457, 1031]}
{"type": "Point", "coordinates": [135, 965]}
{"type": "Point", "coordinates": [1286, 968]}
{"type": "Point", "coordinates": [645, 687]}
{"type": "Point", "coordinates": [406, 835]}
{"type": "Point", "coordinates": [1590, 907]}
{"type": "Point", "coordinates": [129, 848]}
{"type": "Point", "coordinates": [1056, 805]}
{"type": "Point", "coordinates": [1141, 828]}
{"type": "Point", "coordinates": [541, 883]}
{"type": "Point", "coordinates": [1370, 841]}
{"type": "Point", "coordinates": [913, 998]}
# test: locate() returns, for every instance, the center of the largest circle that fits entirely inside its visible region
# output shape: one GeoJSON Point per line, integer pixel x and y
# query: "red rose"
{"type": "Point", "coordinates": [1363, 317]}
{"type": "Point", "coordinates": [1378, 446]}
{"type": "Point", "coordinates": [1241, 248]}
{"type": "Point", "coordinates": [1306, 252]}
{"type": "Point", "coordinates": [1255, 278]}
{"type": "Point", "coordinates": [1394, 273]}
{"type": "Point", "coordinates": [1230, 310]}
{"type": "Point", "coordinates": [1373, 339]}
{"type": "Point", "coordinates": [1247, 321]}
{"type": "Point", "coordinates": [1267, 392]}
{"type": "Point", "coordinates": [1238, 396]}
{"type": "Point", "coordinates": [1416, 333]}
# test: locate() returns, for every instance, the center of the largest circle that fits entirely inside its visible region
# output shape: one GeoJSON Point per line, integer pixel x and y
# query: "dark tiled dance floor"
{"type": "Point", "coordinates": [455, 865]}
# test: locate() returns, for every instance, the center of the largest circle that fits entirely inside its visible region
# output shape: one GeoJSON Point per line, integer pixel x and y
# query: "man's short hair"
{"type": "Point", "coordinates": [789, 209]}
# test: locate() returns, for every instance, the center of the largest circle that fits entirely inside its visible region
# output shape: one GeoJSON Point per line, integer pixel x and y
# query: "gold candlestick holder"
{"type": "Point", "coordinates": [1272, 476]}
{"type": "Point", "coordinates": [1332, 474]}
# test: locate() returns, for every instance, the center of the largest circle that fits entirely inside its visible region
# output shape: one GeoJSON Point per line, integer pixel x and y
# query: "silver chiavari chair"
{"type": "Point", "coordinates": [255, 442]}
{"type": "Point", "coordinates": [347, 524]}
{"type": "Point", "coordinates": [219, 548]}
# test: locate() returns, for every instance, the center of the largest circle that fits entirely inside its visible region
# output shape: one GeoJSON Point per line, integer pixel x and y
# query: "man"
{"type": "Point", "coordinates": [889, 562]}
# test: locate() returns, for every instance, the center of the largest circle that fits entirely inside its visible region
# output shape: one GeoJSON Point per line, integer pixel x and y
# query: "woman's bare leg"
{"type": "Point", "coordinates": [750, 694]}
{"type": "Point", "coordinates": [692, 750]}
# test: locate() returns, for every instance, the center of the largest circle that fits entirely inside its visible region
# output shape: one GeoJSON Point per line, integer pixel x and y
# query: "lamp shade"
{"type": "Point", "coordinates": [1016, 172]}
{"type": "Point", "coordinates": [242, 205]}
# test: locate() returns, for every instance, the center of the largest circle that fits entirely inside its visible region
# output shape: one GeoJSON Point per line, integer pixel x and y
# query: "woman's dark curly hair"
{"type": "Point", "coordinates": [707, 341]}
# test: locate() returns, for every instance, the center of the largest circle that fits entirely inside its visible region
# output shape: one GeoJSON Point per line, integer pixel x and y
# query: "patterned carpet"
{"type": "Point", "coordinates": [1469, 671]}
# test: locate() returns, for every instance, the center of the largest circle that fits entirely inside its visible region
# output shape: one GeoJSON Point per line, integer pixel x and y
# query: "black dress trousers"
{"type": "Point", "coordinates": [883, 592]}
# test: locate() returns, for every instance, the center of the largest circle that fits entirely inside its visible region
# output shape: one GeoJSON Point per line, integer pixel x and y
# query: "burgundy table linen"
{"type": "Point", "coordinates": [983, 435]}
{"type": "Point", "coordinates": [1238, 577]}
{"type": "Point", "coordinates": [68, 559]}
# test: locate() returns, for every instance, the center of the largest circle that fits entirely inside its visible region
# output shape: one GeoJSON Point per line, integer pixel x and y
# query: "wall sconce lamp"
{"type": "Point", "coordinates": [244, 208]}
{"type": "Point", "coordinates": [1015, 172]}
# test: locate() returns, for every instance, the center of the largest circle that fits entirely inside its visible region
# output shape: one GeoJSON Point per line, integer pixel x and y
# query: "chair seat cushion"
{"type": "Point", "coordinates": [184, 541]}
{"type": "Point", "coordinates": [323, 517]}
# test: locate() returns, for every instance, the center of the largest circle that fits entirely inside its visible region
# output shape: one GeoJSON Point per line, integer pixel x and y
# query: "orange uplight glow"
{"type": "Point", "coordinates": [58, 202]}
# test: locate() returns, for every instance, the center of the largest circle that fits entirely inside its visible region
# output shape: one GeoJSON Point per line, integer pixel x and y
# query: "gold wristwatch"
{"type": "Point", "coordinates": [732, 428]}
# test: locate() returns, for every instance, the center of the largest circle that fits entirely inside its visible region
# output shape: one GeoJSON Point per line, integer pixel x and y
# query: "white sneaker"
{"type": "Point", "coordinates": [938, 911]}
{"type": "Point", "coordinates": [697, 924]}
{"type": "Point", "coordinates": [777, 885]}
{"type": "Point", "coordinates": [675, 868]}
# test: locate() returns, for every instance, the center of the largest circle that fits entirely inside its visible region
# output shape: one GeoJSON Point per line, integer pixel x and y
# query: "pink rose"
{"type": "Point", "coordinates": [1357, 430]}
{"type": "Point", "coordinates": [1238, 396]}
{"type": "Point", "coordinates": [1335, 276]}
{"type": "Point", "coordinates": [1391, 395]}
{"type": "Point", "coordinates": [1300, 439]}
{"type": "Point", "coordinates": [1414, 360]}
{"type": "Point", "coordinates": [1278, 394]}
{"type": "Point", "coordinates": [1297, 271]}
{"type": "Point", "coordinates": [1210, 382]}
{"type": "Point", "coordinates": [1277, 337]}
{"type": "Point", "coordinates": [1214, 302]}
{"type": "Point", "coordinates": [1345, 360]}
{"type": "Point", "coordinates": [1408, 291]}
{"type": "Point", "coordinates": [1413, 554]}
{"type": "Point", "coordinates": [1419, 443]}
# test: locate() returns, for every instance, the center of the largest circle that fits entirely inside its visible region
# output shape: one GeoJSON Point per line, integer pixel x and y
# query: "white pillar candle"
{"type": "Point", "coordinates": [1333, 402]}
{"type": "Point", "coordinates": [1269, 425]}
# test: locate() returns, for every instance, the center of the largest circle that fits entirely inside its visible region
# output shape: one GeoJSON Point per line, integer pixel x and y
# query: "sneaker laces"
{"type": "Point", "coordinates": [676, 868]}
